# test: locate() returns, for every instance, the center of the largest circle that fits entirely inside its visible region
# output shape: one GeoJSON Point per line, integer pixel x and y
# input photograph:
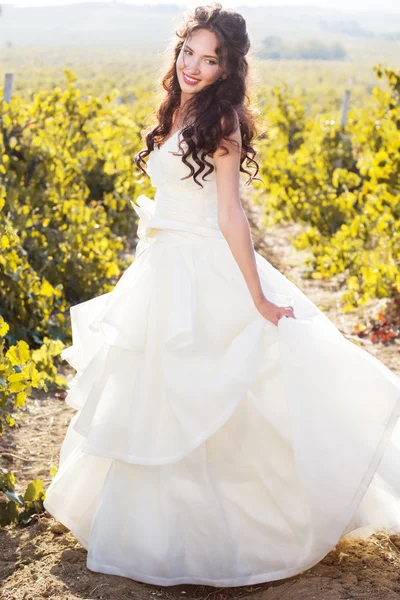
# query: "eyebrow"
{"type": "Point", "coordinates": [206, 55]}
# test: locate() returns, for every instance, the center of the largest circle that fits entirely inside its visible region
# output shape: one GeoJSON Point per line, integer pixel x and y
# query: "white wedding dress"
{"type": "Point", "coordinates": [210, 446]}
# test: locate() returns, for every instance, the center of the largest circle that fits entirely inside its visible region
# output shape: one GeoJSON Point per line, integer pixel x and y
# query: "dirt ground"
{"type": "Point", "coordinates": [44, 560]}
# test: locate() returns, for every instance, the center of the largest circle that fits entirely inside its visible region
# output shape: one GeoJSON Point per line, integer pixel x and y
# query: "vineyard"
{"type": "Point", "coordinates": [343, 181]}
{"type": "Point", "coordinates": [67, 229]}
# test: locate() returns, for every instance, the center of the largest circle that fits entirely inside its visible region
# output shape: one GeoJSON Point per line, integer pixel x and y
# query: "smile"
{"type": "Point", "coordinates": [189, 80]}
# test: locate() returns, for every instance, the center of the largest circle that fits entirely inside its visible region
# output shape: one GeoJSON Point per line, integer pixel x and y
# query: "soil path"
{"type": "Point", "coordinates": [44, 560]}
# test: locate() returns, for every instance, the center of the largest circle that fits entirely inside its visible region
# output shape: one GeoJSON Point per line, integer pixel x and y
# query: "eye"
{"type": "Point", "coordinates": [208, 60]}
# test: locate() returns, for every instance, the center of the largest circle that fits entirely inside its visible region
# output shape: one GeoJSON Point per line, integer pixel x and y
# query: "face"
{"type": "Point", "coordinates": [198, 65]}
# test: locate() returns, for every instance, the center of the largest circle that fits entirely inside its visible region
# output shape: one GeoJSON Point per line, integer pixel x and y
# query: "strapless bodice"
{"type": "Point", "coordinates": [179, 204]}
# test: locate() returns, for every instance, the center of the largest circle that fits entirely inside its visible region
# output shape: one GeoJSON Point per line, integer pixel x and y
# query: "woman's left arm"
{"type": "Point", "coordinates": [232, 219]}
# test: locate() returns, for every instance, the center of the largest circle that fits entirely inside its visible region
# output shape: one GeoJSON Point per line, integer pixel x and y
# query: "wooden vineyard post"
{"type": "Point", "coordinates": [8, 87]}
{"type": "Point", "coordinates": [345, 108]}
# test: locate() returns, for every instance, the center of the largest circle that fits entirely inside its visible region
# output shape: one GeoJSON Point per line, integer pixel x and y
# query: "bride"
{"type": "Point", "coordinates": [226, 433]}
{"type": "Point", "coordinates": [207, 83]}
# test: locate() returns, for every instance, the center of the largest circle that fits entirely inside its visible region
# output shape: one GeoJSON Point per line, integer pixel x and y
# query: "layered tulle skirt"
{"type": "Point", "coordinates": [209, 445]}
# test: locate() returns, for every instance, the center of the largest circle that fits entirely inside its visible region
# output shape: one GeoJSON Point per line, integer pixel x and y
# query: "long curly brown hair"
{"type": "Point", "coordinates": [211, 114]}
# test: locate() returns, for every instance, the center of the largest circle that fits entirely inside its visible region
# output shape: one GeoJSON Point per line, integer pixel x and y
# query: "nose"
{"type": "Point", "coordinates": [191, 66]}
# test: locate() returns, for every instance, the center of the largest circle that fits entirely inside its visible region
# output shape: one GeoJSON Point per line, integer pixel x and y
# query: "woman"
{"type": "Point", "coordinates": [226, 432]}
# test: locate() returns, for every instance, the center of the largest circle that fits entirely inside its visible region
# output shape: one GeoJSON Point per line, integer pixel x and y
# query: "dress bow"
{"type": "Point", "coordinates": [144, 208]}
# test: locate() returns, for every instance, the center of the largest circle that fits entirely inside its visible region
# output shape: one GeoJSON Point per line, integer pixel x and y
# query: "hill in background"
{"type": "Point", "coordinates": [152, 27]}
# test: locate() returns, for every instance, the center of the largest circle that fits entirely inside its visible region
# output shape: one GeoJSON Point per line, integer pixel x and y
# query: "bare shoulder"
{"type": "Point", "coordinates": [232, 144]}
{"type": "Point", "coordinates": [227, 167]}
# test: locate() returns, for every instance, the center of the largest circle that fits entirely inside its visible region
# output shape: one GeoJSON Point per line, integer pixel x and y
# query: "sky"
{"type": "Point", "coordinates": [358, 5]}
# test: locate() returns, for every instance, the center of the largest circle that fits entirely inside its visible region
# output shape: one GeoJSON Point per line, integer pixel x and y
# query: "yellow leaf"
{"type": "Point", "coordinates": [10, 420]}
{"type": "Point", "coordinates": [20, 398]}
{"type": "Point", "coordinates": [17, 386]}
{"type": "Point", "coordinates": [4, 327]}
{"type": "Point", "coordinates": [15, 377]}
{"type": "Point", "coordinates": [12, 355]}
{"type": "Point", "coordinates": [23, 351]}
{"type": "Point", "coordinates": [46, 289]}
{"type": "Point", "coordinates": [112, 269]}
